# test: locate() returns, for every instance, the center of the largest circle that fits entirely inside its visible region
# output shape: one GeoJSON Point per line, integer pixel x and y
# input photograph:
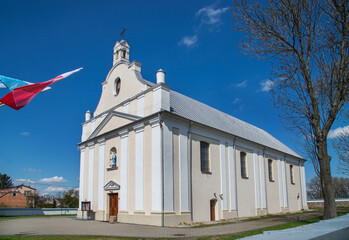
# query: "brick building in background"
{"type": "Point", "coordinates": [20, 196]}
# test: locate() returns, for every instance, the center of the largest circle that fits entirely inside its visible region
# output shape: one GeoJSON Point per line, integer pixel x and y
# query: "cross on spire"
{"type": "Point", "coordinates": [122, 33]}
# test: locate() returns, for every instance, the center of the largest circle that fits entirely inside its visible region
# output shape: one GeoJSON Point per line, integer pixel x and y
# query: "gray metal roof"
{"type": "Point", "coordinates": [199, 112]}
{"type": "Point", "coordinates": [196, 111]}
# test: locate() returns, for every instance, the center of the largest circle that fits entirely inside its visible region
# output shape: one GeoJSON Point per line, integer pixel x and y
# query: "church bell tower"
{"type": "Point", "coordinates": [121, 52]}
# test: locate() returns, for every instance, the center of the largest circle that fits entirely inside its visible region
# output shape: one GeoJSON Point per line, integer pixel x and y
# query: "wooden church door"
{"type": "Point", "coordinates": [113, 204]}
{"type": "Point", "coordinates": [212, 209]}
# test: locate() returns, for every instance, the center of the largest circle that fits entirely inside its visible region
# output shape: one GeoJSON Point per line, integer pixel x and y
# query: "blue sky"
{"type": "Point", "coordinates": [192, 41]}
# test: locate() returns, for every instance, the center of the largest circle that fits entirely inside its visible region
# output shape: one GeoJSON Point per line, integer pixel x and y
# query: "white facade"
{"type": "Point", "coordinates": [148, 158]}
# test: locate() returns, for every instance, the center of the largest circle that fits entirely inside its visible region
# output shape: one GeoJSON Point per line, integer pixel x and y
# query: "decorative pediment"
{"type": "Point", "coordinates": [113, 121]}
{"type": "Point", "coordinates": [111, 186]}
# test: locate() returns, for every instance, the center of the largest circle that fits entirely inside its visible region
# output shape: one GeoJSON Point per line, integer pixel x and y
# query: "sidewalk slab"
{"type": "Point", "coordinates": [336, 229]}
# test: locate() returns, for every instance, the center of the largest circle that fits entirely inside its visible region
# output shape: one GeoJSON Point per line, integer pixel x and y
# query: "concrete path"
{"type": "Point", "coordinates": [71, 226]}
{"type": "Point", "coordinates": [336, 228]}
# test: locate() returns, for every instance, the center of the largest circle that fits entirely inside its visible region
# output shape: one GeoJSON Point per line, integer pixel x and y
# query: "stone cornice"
{"type": "Point", "coordinates": [139, 127]}
{"type": "Point", "coordinates": [91, 144]}
{"type": "Point", "coordinates": [154, 121]}
{"type": "Point", "coordinates": [123, 133]}
{"type": "Point", "coordinates": [101, 141]}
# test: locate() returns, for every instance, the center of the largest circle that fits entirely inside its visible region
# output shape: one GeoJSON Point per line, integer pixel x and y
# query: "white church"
{"type": "Point", "coordinates": [150, 155]}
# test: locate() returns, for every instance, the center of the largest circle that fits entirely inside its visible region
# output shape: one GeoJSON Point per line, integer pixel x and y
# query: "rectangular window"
{"type": "Point", "coordinates": [291, 174]}
{"type": "Point", "coordinates": [243, 161]}
{"type": "Point", "coordinates": [204, 157]}
{"type": "Point", "coordinates": [270, 170]}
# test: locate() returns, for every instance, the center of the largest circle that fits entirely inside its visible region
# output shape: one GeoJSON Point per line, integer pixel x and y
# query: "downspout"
{"type": "Point", "coordinates": [265, 180]}
{"type": "Point", "coordinates": [236, 179]}
{"type": "Point", "coordinates": [191, 174]}
{"type": "Point", "coordinates": [285, 179]}
{"type": "Point", "coordinates": [162, 172]}
{"type": "Point", "coordinates": [301, 182]}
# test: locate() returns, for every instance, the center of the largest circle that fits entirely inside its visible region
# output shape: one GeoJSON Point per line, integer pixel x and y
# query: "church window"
{"type": "Point", "coordinates": [291, 174]}
{"type": "Point", "coordinates": [123, 54]}
{"type": "Point", "coordinates": [13, 194]}
{"type": "Point", "coordinates": [204, 157]}
{"type": "Point", "coordinates": [113, 158]}
{"type": "Point", "coordinates": [243, 162]}
{"type": "Point", "coordinates": [270, 170]}
{"type": "Point", "coordinates": [116, 88]}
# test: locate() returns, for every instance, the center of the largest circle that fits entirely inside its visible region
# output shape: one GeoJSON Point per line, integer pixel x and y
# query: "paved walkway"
{"type": "Point", "coordinates": [72, 226]}
{"type": "Point", "coordinates": [336, 228]}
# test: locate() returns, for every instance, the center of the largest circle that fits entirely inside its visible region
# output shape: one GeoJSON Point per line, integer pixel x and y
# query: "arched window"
{"type": "Point", "coordinates": [291, 174]}
{"type": "Point", "coordinates": [205, 157]}
{"type": "Point", "coordinates": [243, 162]}
{"type": "Point", "coordinates": [117, 85]}
{"type": "Point", "coordinates": [270, 170]}
{"type": "Point", "coordinates": [113, 157]}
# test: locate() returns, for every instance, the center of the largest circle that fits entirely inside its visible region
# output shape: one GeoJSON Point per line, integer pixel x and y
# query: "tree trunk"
{"type": "Point", "coordinates": [326, 182]}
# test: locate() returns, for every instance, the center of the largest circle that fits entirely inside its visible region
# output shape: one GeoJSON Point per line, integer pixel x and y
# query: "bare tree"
{"type": "Point", "coordinates": [341, 146]}
{"type": "Point", "coordinates": [340, 188]}
{"type": "Point", "coordinates": [308, 43]}
{"type": "Point", "coordinates": [314, 188]}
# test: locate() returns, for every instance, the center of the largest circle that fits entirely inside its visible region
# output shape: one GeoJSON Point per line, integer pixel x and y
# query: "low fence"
{"type": "Point", "coordinates": [320, 203]}
{"type": "Point", "coordinates": [10, 212]}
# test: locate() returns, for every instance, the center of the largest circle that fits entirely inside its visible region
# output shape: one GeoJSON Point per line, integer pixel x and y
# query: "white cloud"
{"type": "Point", "coordinates": [338, 131]}
{"type": "Point", "coordinates": [55, 189]}
{"type": "Point", "coordinates": [23, 181]}
{"type": "Point", "coordinates": [237, 100]}
{"type": "Point", "coordinates": [25, 133]}
{"type": "Point", "coordinates": [32, 170]}
{"type": "Point", "coordinates": [189, 41]}
{"type": "Point", "coordinates": [242, 84]}
{"type": "Point", "coordinates": [266, 85]}
{"type": "Point", "coordinates": [209, 15]}
{"type": "Point", "coordinates": [54, 179]}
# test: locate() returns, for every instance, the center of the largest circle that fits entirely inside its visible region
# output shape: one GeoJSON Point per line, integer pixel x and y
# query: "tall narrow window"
{"type": "Point", "coordinates": [291, 174]}
{"type": "Point", "coordinates": [243, 161]}
{"type": "Point", "coordinates": [116, 88]}
{"type": "Point", "coordinates": [204, 156]}
{"type": "Point", "coordinates": [270, 170]}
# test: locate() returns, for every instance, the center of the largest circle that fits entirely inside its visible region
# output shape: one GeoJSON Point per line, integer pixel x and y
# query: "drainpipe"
{"type": "Point", "coordinates": [191, 174]}
{"type": "Point", "coordinates": [265, 180]}
{"type": "Point", "coordinates": [285, 179]}
{"type": "Point", "coordinates": [162, 172]}
{"type": "Point", "coordinates": [236, 184]}
{"type": "Point", "coordinates": [301, 182]}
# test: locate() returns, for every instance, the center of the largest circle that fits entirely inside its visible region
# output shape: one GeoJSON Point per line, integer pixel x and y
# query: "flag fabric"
{"type": "Point", "coordinates": [11, 83]}
{"type": "Point", "coordinates": [21, 96]}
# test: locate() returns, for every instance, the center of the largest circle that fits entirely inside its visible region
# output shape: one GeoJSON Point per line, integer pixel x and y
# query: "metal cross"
{"type": "Point", "coordinates": [123, 32]}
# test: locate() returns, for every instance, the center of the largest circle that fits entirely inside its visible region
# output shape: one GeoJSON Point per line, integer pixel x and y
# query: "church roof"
{"type": "Point", "coordinates": [199, 112]}
{"type": "Point", "coordinates": [196, 111]}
